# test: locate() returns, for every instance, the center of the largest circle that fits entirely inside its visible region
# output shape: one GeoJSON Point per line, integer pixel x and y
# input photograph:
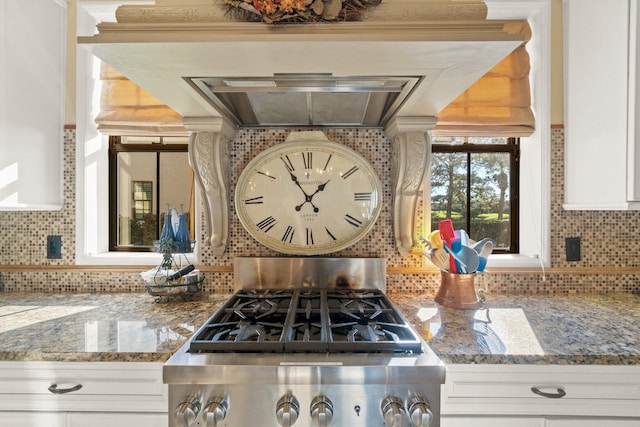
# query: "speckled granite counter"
{"type": "Point", "coordinates": [524, 329]}
{"type": "Point", "coordinates": [98, 327]}
{"type": "Point", "coordinates": [580, 329]}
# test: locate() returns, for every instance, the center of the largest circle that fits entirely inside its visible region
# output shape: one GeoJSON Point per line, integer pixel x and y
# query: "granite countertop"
{"type": "Point", "coordinates": [579, 329]}
{"type": "Point", "coordinates": [98, 327]}
{"type": "Point", "coordinates": [513, 329]}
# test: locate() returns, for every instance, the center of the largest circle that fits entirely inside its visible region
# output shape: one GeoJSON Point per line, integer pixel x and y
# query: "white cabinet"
{"type": "Point", "coordinates": [541, 395]}
{"type": "Point", "coordinates": [99, 394]}
{"type": "Point", "coordinates": [32, 88]}
{"type": "Point", "coordinates": [103, 419]}
{"type": "Point", "coordinates": [601, 104]}
{"type": "Point", "coordinates": [467, 421]}
{"type": "Point", "coordinates": [600, 422]}
{"type": "Point", "coordinates": [31, 419]}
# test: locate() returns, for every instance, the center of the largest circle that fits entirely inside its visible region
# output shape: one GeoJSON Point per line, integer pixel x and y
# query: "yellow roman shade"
{"type": "Point", "coordinates": [499, 104]}
{"type": "Point", "coordinates": [127, 109]}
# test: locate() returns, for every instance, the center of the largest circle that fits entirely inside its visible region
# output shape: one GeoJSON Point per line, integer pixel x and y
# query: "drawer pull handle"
{"type": "Point", "coordinates": [53, 388]}
{"type": "Point", "coordinates": [557, 395]}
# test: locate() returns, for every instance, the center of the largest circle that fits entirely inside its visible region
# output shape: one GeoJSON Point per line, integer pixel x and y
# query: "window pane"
{"type": "Point", "coordinates": [449, 189]}
{"type": "Point", "coordinates": [490, 204]}
{"type": "Point", "coordinates": [137, 219]}
{"type": "Point", "coordinates": [175, 183]}
{"type": "Point", "coordinates": [472, 188]}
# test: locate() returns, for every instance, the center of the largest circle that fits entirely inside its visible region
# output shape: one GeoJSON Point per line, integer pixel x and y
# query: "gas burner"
{"type": "Point", "coordinates": [360, 309]}
{"type": "Point", "coordinates": [256, 309]}
{"type": "Point", "coordinates": [307, 320]}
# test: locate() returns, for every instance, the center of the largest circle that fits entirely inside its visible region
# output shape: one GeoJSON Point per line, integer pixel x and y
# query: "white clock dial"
{"type": "Point", "coordinates": [308, 197]}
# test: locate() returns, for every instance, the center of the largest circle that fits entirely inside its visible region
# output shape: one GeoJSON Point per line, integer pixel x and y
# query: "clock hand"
{"type": "Point", "coordinates": [319, 189]}
{"type": "Point", "coordinates": [295, 179]}
{"type": "Point", "coordinates": [309, 197]}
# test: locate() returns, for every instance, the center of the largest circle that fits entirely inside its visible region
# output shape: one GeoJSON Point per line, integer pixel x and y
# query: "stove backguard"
{"type": "Point", "coordinates": [313, 272]}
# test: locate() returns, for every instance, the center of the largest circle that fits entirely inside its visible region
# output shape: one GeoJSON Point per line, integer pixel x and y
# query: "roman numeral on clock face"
{"type": "Point", "coordinates": [307, 159]}
{"type": "Point", "coordinates": [329, 233]}
{"type": "Point", "coordinates": [288, 234]}
{"type": "Point", "coordinates": [254, 201]}
{"type": "Point", "coordinates": [350, 172]}
{"type": "Point", "coordinates": [326, 165]}
{"type": "Point", "coordinates": [353, 221]}
{"type": "Point", "coordinates": [287, 163]}
{"type": "Point", "coordinates": [267, 224]}
{"type": "Point", "coordinates": [358, 197]}
{"type": "Point", "coordinates": [309, 236]}
{"type": "Point", "coordinates": [265, 174]}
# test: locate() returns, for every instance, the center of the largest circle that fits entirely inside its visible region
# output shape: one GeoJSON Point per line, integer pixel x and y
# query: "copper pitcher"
{"type": "Point", "coordinates": [458, 291]}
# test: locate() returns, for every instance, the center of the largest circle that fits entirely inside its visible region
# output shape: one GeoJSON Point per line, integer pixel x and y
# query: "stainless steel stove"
{"type": "Point", "coordinates": [306, 342]}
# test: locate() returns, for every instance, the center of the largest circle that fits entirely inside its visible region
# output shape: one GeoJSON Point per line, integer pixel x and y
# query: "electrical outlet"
{"type": "Point", "coordinates": [572, 247]}
{"type": "Point", "coordinates": [54, 247]}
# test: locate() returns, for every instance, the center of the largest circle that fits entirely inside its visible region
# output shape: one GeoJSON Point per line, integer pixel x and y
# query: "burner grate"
{"type": "Point", "coordinates": [307, 320]}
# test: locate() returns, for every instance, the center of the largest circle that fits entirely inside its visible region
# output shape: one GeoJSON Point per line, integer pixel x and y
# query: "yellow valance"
{"type": "Point", "coordinates": [499, 104]}
{"type": "Point", "coordinates": [127, 109]}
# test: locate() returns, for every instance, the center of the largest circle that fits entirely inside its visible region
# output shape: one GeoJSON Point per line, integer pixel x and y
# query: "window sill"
{"type": "Point", "coordinates": [128, 258]}
{"type": "Point", "coordinates": [515, 261]}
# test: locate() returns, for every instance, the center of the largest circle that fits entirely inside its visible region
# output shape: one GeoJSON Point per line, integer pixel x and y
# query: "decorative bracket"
{"type": "Point", "coordinates": [411, 156]}
{"type": "Point", "coordinates": [209, 159]}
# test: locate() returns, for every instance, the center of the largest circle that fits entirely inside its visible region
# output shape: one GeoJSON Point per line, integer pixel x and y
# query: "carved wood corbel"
{"type": "Point", "coordinates": [411, 156]}
{"type": "Point", "coordinates": [209, 159]}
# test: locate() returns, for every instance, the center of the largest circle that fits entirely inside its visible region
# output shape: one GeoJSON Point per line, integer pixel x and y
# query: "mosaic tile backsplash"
{"type": "Point", "coordinates": [22, 235]}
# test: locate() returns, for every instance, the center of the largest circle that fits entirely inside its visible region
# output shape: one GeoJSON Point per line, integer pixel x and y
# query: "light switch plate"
{"type": "Point", "coordinates": [572, 246]}
{"type": "Point", "coordinates": [54, 247]}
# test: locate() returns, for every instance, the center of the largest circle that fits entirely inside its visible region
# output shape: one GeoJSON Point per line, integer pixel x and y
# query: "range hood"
{"type": "Point", "coordinates": [342, 74]}
{"type": "Point", "coordinates": [306, 99]}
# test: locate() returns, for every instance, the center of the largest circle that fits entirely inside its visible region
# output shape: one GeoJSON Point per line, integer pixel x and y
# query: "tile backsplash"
{"type": "Point", "coordinates": [22, 235]}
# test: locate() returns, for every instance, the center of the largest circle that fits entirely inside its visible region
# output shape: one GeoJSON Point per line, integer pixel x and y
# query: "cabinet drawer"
{"type": "Point", "coordinates": [543, 390]}
{"type": "Point", "coordinates": [92, 386]}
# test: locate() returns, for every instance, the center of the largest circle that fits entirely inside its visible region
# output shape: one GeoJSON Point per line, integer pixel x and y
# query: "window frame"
{"type": "Point", "coordinates": [512, 147]}
{"type": "Point", "coordinates": [116, 146]}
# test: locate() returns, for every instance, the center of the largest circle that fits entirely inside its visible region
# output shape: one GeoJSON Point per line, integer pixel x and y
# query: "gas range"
{"type": "Point", "coordinates": [308, 342]}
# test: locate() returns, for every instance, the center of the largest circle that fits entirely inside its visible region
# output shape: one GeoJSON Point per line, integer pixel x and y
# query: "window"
{"type": "Point", "coordinates": [147, 175]}
{"type": "Point", "coordinates": [474, 181]}
{"type": "Point", "coordinates": [142, 199]}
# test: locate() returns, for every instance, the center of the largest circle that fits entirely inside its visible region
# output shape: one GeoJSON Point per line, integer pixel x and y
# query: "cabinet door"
{"type": "Point", "coordinates": [32, 83]}
{"type": "Point", "coordinates": [598, 422]}
{"type": "Point", "coordinates": [101, 419]}
{"type": "Point", "coordinates": [31, 419]}
{"type": "Point", "coordinates": [596, 106]}
{"type": "Point", "coordinates": [479, 421]}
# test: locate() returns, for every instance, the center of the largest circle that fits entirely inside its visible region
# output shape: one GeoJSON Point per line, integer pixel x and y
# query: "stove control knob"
{"type": "Point", "coordinates": [393, 411]}
{"type": "Point", "coordinates": [188, 410]}
{"type": "Point", "coordinates": [215, 411]}
{"type": "Point", "coordinates": [287, 410]}
{"type": "Point", "coordinates": [420, 411]}
{"type": "Point", "coordinates": [321, 411]}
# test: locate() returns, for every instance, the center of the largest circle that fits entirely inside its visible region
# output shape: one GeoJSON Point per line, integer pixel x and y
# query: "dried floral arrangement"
{"type": "Point", "coordinates": [292, 11]}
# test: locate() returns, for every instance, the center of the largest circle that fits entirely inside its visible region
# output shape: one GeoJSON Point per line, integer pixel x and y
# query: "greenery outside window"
{"type": "Point", "coordinates": [475, 181]}
{"type": "Point", "coordinates": [147, 175]}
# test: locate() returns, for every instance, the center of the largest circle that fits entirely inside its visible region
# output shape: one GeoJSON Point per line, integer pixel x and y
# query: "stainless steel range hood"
{"type": "Point", "coordinates": [306, 99]}
{"type": "Point", "coordinates": [202, 64]}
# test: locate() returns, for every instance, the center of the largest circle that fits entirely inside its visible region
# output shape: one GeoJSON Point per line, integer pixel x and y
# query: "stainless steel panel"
{"type": "Point", "coordinates": [356, 405]}
{"type": "Point", "coordinates": [287, 272]}
{"type": "Point", "coordinates": [302, 368]}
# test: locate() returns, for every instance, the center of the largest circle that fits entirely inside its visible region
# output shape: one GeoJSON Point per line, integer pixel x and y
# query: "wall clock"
{"type": "Point", "coordinates": [308, 196]}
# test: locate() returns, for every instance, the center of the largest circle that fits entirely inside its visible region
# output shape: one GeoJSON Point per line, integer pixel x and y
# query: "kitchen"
{"type": "Point", "coordinates": [26, 268]}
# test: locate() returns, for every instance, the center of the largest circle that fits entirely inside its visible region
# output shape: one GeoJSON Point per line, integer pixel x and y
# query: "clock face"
{"type": "Point", "coordinates": [308, 198]}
